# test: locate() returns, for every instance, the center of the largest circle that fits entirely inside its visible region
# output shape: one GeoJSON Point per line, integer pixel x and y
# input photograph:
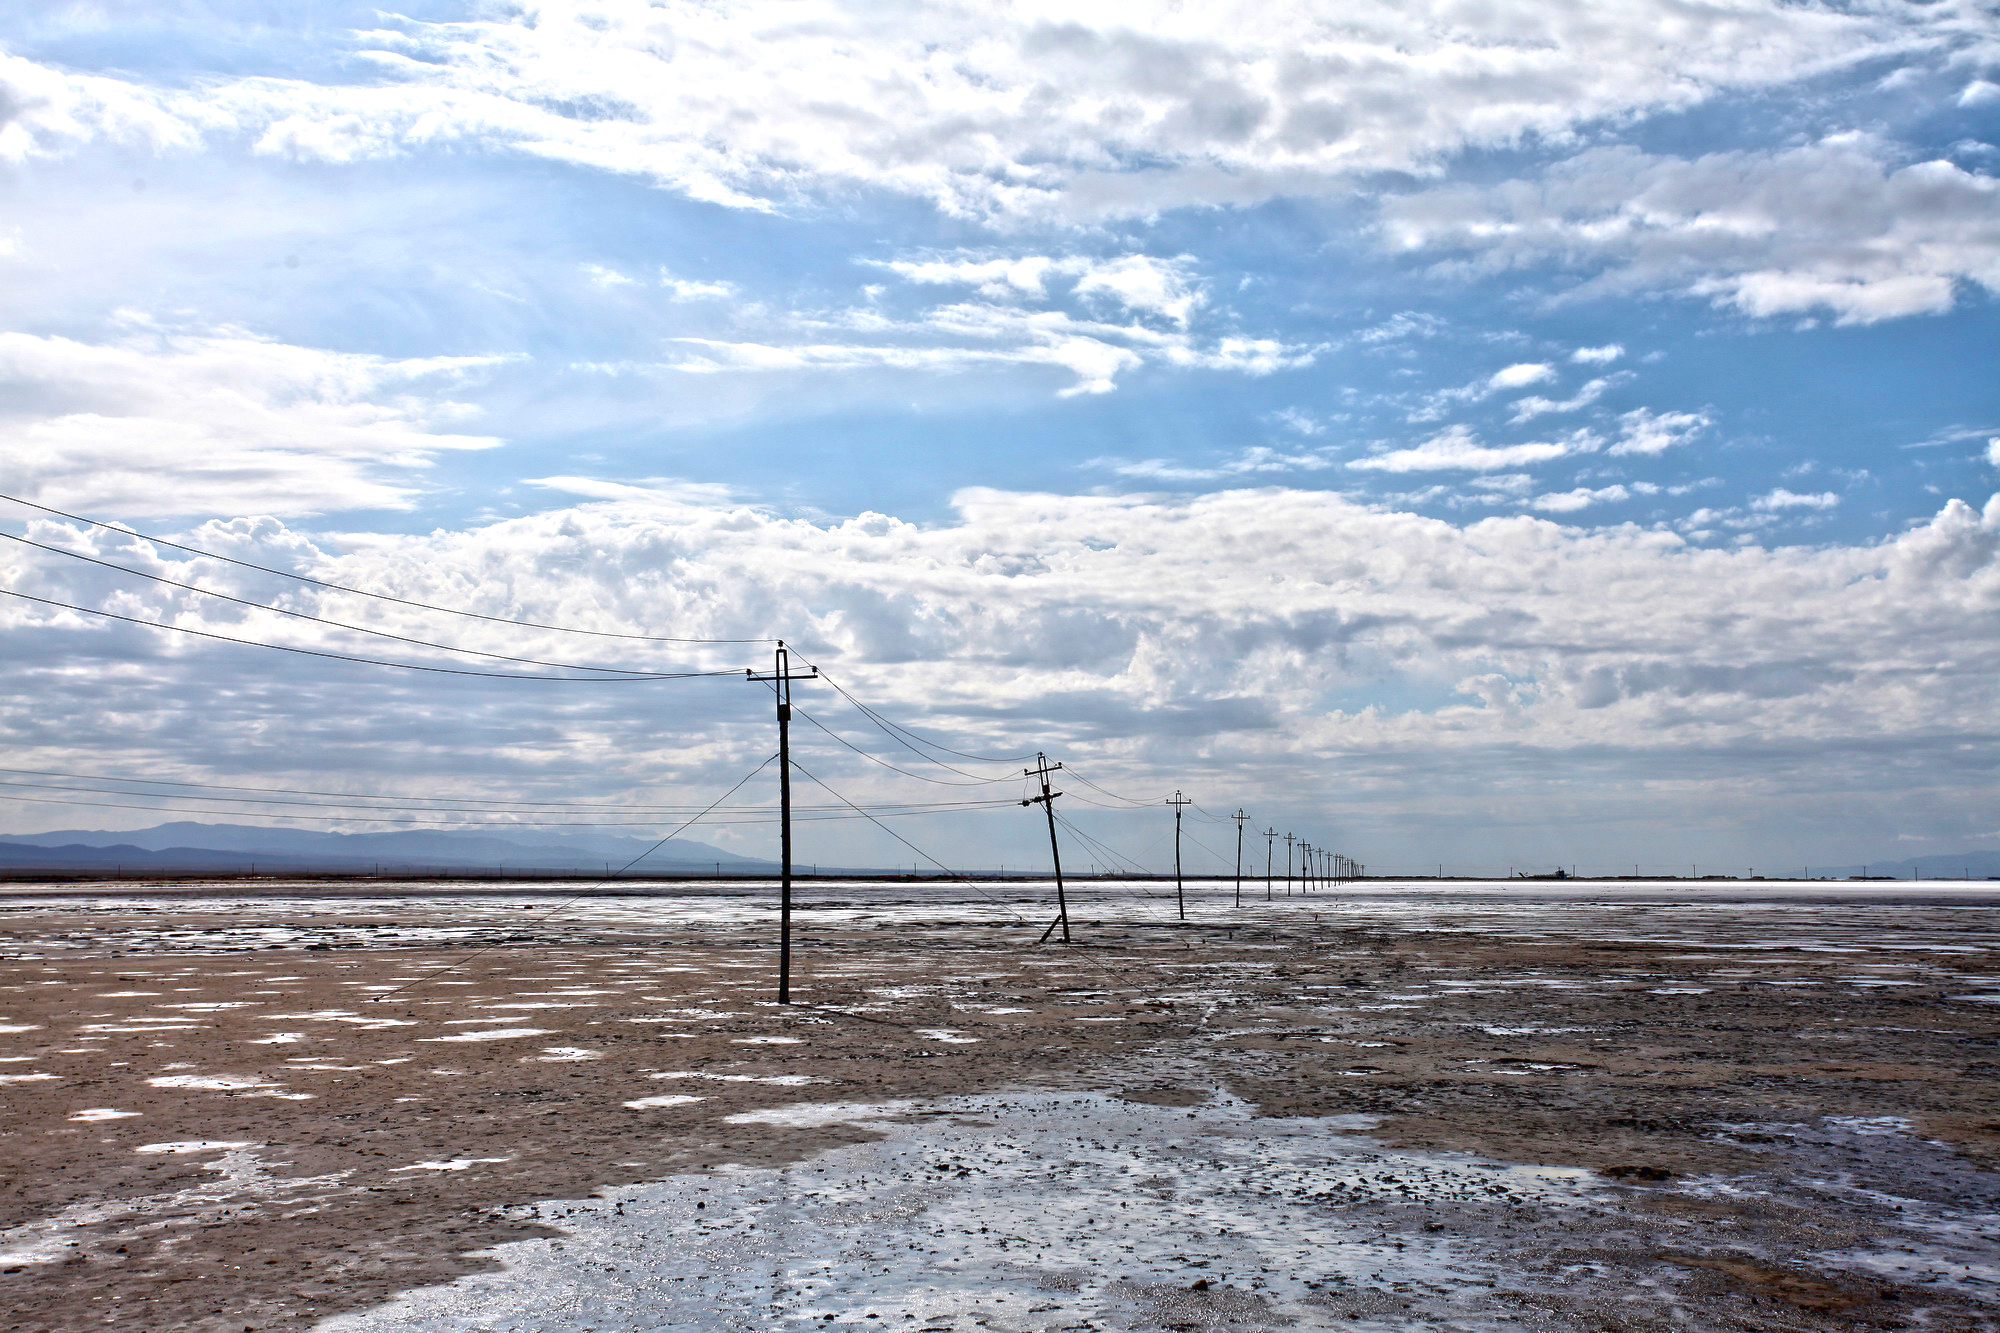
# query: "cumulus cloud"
{"type": "Point", "coordinates": [1598, 356]}
{"type": "Point", "coordinates": [1007, 110]}
{"type": "Point", "coordinates": [1204, 635]}
{"type": "Point", "coordinates": [1644, 431]}
{"type": "Point", "coordinates": [174, 421]}
{"type": "Point", "coordinates": [1835, 226]}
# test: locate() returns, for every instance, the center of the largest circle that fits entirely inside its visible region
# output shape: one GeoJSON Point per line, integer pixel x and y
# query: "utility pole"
{"type": "Point", "coordinates": [1047, 800]}
{"type": "Point", "coordinates": [1180, 891]}
{"type": "Point", "coordinates": [780, 679]}
{"type": "Point", "coordinates": [1305, 867]}
{"type": "Point", "coordinates": [1270, 840]}
{"type": "Point", "coordinates": [1288, 864]}
{"type": "Point", "coordinates": [1239, 817]}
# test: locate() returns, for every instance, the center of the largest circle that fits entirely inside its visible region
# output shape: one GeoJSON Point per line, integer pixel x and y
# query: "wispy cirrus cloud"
{"type": "Point", "coordinates": [1097, 318]}
{"type": "Point", "coordinates": [174, 420]}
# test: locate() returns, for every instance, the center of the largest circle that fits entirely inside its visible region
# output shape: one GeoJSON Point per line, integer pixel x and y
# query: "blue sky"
{"type": "Point", "coordinates": [1484, 433]}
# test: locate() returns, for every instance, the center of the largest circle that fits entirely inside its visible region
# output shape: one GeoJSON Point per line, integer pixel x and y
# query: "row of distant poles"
{"type": "Point", "coordinates": [1316, 865]}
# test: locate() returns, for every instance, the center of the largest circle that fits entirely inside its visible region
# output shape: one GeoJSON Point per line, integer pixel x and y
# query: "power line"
{"type": "Point", "coordinates": [368, 815]}
{"type": "Point", "coordinates": [362, 592]}
{"type": "Point", "coordinates": [322, 620]}
{"type": "Point", "coordinates": [876, 759]}
{"type": "Point", "coordinates": [369, 661]}
{"type": "Point", "coordinates": [461, 962]}
{"type": "Point", "coordinates": [494, 806]}
{"type": "Point", "coordinates": [896, 728]}
{"type": "Point", "coordinates": [1085, 958]}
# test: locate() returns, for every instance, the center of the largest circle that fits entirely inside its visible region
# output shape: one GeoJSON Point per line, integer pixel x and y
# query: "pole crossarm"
{"type": "Point", "coordinates": [1047, 800]}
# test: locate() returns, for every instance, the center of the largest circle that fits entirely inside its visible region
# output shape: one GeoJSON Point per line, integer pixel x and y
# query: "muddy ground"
{"type": "Point", "coordinates": [230, 1109]}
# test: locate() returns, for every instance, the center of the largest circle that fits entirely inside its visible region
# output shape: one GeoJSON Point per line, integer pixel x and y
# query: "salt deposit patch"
{"type": "Point", "coordinates": [1048, 1212]}
{"type": "Point", "coordinates": [223, 1082]}
{"type": "Point", "coordinates": [455, 1164]}
{"type": "Point", "coordinates": [496, 1034]}
{"type": "Point", "coordinates": [93, 1113]}
{"type": "Point", "coordinates": [781, 1080]}
{"type": "Point", "coordinates": [655, 1103]}
{"type": "Point", "coordinates": [86, 1230]}
{"type": "Point", "coordinates": [816, 1115]}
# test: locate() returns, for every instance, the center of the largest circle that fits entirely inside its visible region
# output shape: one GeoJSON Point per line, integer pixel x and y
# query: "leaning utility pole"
{"type": "Point", "coordinates": [1288, 864]}
{"type": "Point", "coordinates": [1180, 892]}
{"type": "Point", "coordinates": [1047, 800]}
{"type": "Point", "coordinates": [1239, 817]}
{"type": "Point", "coordinates": [780, 679]}
{"type": "Point", "coordinates": [1270, 841]}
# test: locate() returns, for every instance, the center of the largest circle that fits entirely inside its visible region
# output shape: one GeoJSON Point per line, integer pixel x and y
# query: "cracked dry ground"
{"type": "Point", "coordinates": [215, 1132]}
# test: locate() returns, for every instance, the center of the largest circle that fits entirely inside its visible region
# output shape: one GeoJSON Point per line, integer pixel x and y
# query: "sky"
{"type": "Point", "coordinates": [1493, 434]}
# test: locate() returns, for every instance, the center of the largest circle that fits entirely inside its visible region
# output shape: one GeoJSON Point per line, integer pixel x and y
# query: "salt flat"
{"type": "Point", "coordinates": [1562, 1106]}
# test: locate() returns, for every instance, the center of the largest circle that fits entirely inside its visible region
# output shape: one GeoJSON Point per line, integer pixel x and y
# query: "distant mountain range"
{"type": "Point", "coordinates": [187, 846]}
{"type": "Point", "coordinates": [1956, 865]}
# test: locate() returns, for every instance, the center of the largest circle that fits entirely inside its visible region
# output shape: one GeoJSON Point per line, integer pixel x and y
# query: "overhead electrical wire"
{"type": "Point", "coordinates": [535, 921]}
{"type": "Point", "coordinates": [496, 806]}
{"type": "Point", "coordinates": [1129, 801]}
{"type": "Point", "coordinates": [1108, 972]}
{"type": "Point", "coordinates": [369, 661]}
{"type": "Point", "coordinates": [493, 809]}
{"type": "Point", "coordinates": [876, 759]}
{"type": "Point", "coordinates": [818, 815]}
{"type": "Point", "coordinates": [363, 592]}
{"type": "Point", "coordinates": [322, 620]}
{"type": "Point", "coordinates": [897, 728]}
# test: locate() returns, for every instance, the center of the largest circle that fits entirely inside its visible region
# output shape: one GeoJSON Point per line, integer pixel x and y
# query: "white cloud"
{"type": "Point", "coordinates": [1833, 226]}
{"type": "Point", "coordinates": [1993, 451]}
{"type": "Point", "coordinates": [1527, 409]}
{"type": "Point", "coordinates": [1520, 375]}
{"type": "Point", "coordinates": [1598, 356]}
{"type": "Point", "coordinates": [166, 421]}
{"type": "Point", "coordinates": [1783, 499]}
{"type": "Point", "coordinates": [996, 109]}
{"type": "Point", "coordinates": [1457, 448]}
{"type": "Point", "coordinates": [681, 289]}
{"type": "Point", "coordinates": [1643, 431]}
{"type": "Point", "coordinates": [1144, 284]}
{"type": "Point", "coordinates": [1569, 502]}
{"type": "Point", "coordinates": [1015, 317]}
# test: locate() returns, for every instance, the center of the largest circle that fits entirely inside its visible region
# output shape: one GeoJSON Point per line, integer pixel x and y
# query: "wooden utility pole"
{"type": "Point", "coordinates": [1305, 867]}
{"type": "Point", "coordinates": [1047, 800]}
{"type": "Point", "coordinates": [1239, 817]}
{"type": "Point", "coordinates": [1288, 864]}
{"type": "Point", "coordinates": [1180, 891]}
{"type": "Point", "coordinates": [780, 679]}
{"type": "Point", "coordinates": [1270, 841]}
